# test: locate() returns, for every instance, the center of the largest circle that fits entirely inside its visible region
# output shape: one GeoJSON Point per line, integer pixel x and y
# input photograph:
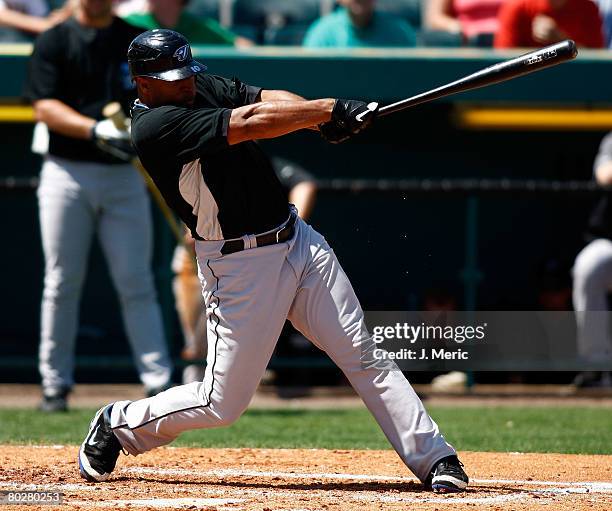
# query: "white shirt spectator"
{"type": "Point", "coordinates": [125, 7]}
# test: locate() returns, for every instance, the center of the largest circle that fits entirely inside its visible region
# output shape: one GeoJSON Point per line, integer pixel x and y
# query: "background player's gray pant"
{"type": "Point", "coordinates": [75, 200]}
{"type": "Point", "coordinates": [248, 295]}
{"type": "Point", "coordinates": [592, 283]}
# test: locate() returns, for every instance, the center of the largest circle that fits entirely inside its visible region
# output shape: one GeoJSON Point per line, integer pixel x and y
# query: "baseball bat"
{"type": "Point", "coordinates": [500, 72]}
{"type": "Point", "coordinates": [114, 112]}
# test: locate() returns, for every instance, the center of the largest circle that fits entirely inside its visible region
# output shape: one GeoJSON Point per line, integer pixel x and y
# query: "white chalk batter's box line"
{"type": "Point", "coordinates": [595, 487]}
{"type": "Point", "coordinates": [542, 488]}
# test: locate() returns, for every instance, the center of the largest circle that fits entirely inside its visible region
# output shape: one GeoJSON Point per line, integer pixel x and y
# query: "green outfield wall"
{"type": "Point", "coordinates": [379, 74]}
{"type": "Point", "coordinates": [487, 250]}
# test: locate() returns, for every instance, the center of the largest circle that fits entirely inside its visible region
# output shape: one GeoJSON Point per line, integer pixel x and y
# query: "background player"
{"type": "Point", "coordinates": [593, 280]}
{"type": "Point", "coordinates": [259, 263]}
{"type": "Point", "coordinates": [85, 188]}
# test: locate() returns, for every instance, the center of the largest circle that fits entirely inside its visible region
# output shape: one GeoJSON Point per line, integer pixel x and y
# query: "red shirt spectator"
{"type": "Point", "coordinates": [469, 17]}
{"type": "Point", "coordinates": [477, 16]}
{"type": "Point", "coordinates": [534, 23]}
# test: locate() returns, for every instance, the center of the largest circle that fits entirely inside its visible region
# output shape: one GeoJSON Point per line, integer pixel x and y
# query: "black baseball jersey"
{"type": "Point", "coordinates": [219, 191]}
{"type": "Point", "coordinates": [86, 68]}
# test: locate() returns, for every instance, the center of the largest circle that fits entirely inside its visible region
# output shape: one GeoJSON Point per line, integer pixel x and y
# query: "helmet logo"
{"type": "Point", "coordinates": [195, 69]}
{"type": "Point", "coordinates": [181, 53]}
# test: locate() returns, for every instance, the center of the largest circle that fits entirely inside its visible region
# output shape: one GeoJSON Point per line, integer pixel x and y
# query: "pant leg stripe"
{"type": "Point", "coordinates": [215, 316]}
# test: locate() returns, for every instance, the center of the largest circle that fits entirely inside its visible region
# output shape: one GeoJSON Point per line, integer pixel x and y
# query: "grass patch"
{"type": "Point", "coordinates": [549, 429]}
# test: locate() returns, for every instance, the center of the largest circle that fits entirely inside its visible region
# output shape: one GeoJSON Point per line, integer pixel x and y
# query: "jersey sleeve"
{"type": "Point", "coordinates": [43, 78]}
{"type": "Point", "coordinates": [234, 93]}
{"type": "Point", "coordinates": [182, 134]}
{"type": "Point", "coordinates": [605, 153]}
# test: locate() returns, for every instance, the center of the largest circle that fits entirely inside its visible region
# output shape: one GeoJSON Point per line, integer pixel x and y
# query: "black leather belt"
{"type": "Point", "coordinates": [277, 236]}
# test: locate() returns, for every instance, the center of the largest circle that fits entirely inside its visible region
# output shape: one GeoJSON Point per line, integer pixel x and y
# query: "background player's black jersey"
{"type": "Point", "coordinates": [86, 68]}
{"type": "Point", "coordinates": [219, 191]}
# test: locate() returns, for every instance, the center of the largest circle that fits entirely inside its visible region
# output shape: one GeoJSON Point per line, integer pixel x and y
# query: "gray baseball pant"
{"type": "Point", "coordinates": [77, 199]}
{"type": "Point", "coordinates": [248, 295]}
{"type": "Point", "coordinates": [592, 282]}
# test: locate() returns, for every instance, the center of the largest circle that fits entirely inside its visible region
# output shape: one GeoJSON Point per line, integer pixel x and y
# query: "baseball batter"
{"type": "Point", "coordinates": [259, 263]}
{"type": "Point", "coordinates": [76, 68]}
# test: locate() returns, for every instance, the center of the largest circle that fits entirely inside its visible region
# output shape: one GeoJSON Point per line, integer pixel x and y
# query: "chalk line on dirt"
{"type": "Point", "coordinates": [161, 503]}
{"type": "Point", "coordinates": [597, 487]}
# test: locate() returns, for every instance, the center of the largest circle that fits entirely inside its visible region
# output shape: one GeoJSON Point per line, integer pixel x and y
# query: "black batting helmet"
{"type": "Point", "coordinates": [163, 54]}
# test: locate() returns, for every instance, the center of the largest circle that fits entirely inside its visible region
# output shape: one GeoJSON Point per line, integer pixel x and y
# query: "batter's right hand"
{"type": "Point", "coordinates": [113, 140]}
{"type": "Point", "coordinates": [353, 116]}
{"type": "Point", "coordinates": [349, 117]}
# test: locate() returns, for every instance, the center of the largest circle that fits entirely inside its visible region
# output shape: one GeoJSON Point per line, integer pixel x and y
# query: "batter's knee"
{"type": "Point", "coordinates": [228, 413]}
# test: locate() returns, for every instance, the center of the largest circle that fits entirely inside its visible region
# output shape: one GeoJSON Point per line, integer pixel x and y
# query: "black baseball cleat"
{"type": "Point", "coordinates": [55, 400]}
{"type": "Point", "coordinates": [448, 476]}
{"type": "Point", "coordinates": [100, 449]}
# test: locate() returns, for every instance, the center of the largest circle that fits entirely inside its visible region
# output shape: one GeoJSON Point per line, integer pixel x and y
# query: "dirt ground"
{"type": "Point", "coordinates": [287, 479]}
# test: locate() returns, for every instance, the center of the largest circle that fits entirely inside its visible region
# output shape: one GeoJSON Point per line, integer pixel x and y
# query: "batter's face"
{"type": "Point", "coordinates": [154, 92]}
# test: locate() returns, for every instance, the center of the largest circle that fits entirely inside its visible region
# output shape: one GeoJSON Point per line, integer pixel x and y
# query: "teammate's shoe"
{"type": "Point", "coordinates": [55, 400]}
{"type": "Point", "coordinates": [99, 451]}
{"type": "Point", "coordinates": [593, 379]}
{"type": "Point", "coordinates": [448, 476]}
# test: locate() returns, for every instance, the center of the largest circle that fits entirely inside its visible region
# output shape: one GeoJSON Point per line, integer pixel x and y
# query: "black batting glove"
{"type": "Point", "coordinates": [353, 116]}
{"type": "Point", "coordinates": [349, 117]}
{"type": "Point", "coordinates": [332, 133]}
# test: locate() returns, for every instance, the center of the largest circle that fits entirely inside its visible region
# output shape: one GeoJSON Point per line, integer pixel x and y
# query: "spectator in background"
{"type": "Point", "coordinates": [535, 23]}
{"type": "Point", "coordinates": [171, 14]}
{"type": "Point", "coordinates": [593, 279]}
{"type": "Point", "coordinates": [469, 18]}
{"type": "Point", "coordinates": [124, 7]}
{"type": "Point", "coordinates": [358, 24]}
{"type": "Point", "coordinates": [31, 16]}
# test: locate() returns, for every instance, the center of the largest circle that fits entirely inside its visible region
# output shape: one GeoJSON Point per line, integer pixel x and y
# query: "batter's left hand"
{"type": "Point", "coordinates": [333, 134]}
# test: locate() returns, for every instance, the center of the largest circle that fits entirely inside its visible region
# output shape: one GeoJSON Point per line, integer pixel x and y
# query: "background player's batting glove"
{"type": "Point", "coordinates": [112, 140]}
